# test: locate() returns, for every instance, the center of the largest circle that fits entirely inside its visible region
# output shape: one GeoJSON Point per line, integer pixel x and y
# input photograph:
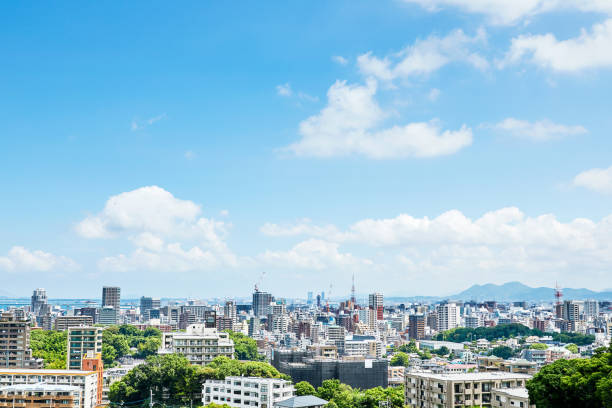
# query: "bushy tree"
{"type": "Point", "coordinates": [504, 352]}
{"type": "Point", "coordinates": [245, 348]}
{"type": "Point", "coordinates": [400, 359]}
{"type": "Point", "coordinates": [572, 348]}
{"type": "Point", "coordinates": [51, 346]}
{"type": "Point", "coordinates": [538, 346]}
{"type": "Point", "coordinates": [304, 388]}
{"type": "Point", "coordinates": [585, 383]}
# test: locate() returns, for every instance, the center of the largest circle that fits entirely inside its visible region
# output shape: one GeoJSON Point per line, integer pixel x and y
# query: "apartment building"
{"type": "Point", "coordinates": [416, 326]}
{"type": "Point", "coordinates": [15, 349]}
{"type": "Point", "coordinates": [82, 340]}
{"type": "Point", "coordinates": [40, 395]}
{"type": "Point", "coordinates": [448, 316]}
{"type": "Point", "coordinates": [241, 392]}
{"type": "Point", "coordinates": [65, 322]}
{"type": "Point", "coordinates": [85, 381]}
{"type": "Point", "coordinates": [511, 398]}
{"type": "Point", "coordinates": [427, 390]}
{"type": "Point", "coordinates": [198, 343]}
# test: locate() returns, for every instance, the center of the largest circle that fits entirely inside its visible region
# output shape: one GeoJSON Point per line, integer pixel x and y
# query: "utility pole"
{"type": "Point", "coordinates": [151, 397]}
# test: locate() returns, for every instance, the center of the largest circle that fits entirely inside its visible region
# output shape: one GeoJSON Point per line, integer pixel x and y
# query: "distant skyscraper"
{"type": "Point", "coordinates": [318, 300]}
{"type": "Point", "coordinates": [39, 302]}
{"type": "Point", "coordinates": [376, 303]}
{"type": "Point", "coordinates": [111, 296]}
{"type": "Point", "coordinates": [261, 303]}
{"type": "Point", "coordinates": [447, 316]}
{"type": "Point", "coordinates": [146, 304]}
{"type": "Point", "coordinates": [416, 326]}
{"type": "Point", "coordinates": [229, 310]}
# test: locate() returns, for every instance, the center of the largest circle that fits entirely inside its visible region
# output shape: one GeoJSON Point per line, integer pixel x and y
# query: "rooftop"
{"type": "Point", "coordinates": [302, 401]}
{"type": "Point", "coordinates": [39, 387]}
{"type": "Point", "coordinates": [471, 376]}
{"type": "Point", "coordinates": [11, 371]}
{"type": "Point", "coordinates": [513, 392]}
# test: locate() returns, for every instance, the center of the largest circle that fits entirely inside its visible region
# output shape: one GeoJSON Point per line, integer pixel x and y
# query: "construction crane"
{"type": "Point", "coordinates": [258, 283]}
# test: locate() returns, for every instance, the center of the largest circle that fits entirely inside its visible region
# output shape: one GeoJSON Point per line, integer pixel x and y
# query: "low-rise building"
{"type": "Point", "coordinates": [241, 392]}
{"type": "Point", "coordinates": [86, 381]}
{"type": "Point", "coordinates": [511, 398]}
{"type": "Point", "coordinates": [40, 395]}
{"type": "Point", "coordinates": [199, 344]}
{"type": "Point", "coordinates": [426, 390]}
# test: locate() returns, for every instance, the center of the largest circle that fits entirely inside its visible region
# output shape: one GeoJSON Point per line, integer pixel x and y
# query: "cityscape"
{"type": "Point", "coordinates": [306, 204]}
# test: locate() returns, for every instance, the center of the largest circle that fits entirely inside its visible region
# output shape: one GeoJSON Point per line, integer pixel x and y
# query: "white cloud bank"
{"type": "Point", "coordinates": [505, 12]}
{"type": "Point", "coordinates": [20, 259]}
{"type": "Point", "coordinates": [169, 234]}
{"type": "Point", "coordinates": [349, 125]}
{"type": "Point", "coordinates": [599, 180]}
{"type": "Point", "coordinates": [425, 57]}
{"type": "Point", "coordinates": [590, 50]}
{"type": "Point", "coordinates": [538, 131]}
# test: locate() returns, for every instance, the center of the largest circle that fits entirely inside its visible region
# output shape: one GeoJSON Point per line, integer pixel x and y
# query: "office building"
{"type": "Point", "coordinates": [447, 316]}
{"type": "Point", "coordinates": [416, 326]}
{"type": "Point", "coordinates": [376, 303]}
{"type": "Point", "coordinates": [111, 296]}
{"type": "Point", "coordinates": [591, 308]}
{"type": "Point", "coordinates": [65, 322]}
{"type": "Point", "coordinates": [107, 316]}
{"type": "Point", "coordinates": [88, 311]}
{"type": "Point", "coordinates": [39, 302]}
{"type": "Point", "coordinates": [85, 381]}
{"type": "Point", "coordinates": [15, 349]}
{"type": "Point", "coordinates": [427, 390]}
{"type": "Point", "coordinates": [199, 344]}
{"type": "Point", "coordinates": [571, 310]}
{"type": "Point", "coordinates": [261, 303]}
{"type": "Point", "coordinates": [242, 392]}
{"type": "Point", "coordinates": [82, 340]}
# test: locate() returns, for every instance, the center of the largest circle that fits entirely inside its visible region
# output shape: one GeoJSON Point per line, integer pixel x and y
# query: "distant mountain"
{"type": "Point", "coordinates": [516, 291]}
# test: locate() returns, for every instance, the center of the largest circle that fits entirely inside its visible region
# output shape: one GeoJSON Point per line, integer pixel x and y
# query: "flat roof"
{"type": "Point", "coordinates": [495, 375]}
{"type": "Point", "coordinates": [39, 387]}
{"type": "Point", "coordinates": [513, 392]}
{"type": "Point", "coordinates": [11, 371]}
{"type": "Point", "coordinates": [302, 401]}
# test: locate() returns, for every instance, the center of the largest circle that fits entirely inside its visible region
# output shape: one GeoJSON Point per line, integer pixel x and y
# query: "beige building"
{"type": "Point", "coordinates": [15, 349]}
{"type": "Point", "coordinates": [11, 381]}
{"type": "Point", "coordinates": [40, 395]}
{"type": "Point", "coordinates": [198, 343]}
{"type": "Point", "coordinates": [427, 390]}
{"type": "Point", "coordinates": [511, 398]}
{"type": "Point", "coordinates": [65, 322]}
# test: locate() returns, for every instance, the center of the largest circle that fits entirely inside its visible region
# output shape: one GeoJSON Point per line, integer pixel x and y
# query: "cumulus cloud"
{"type": "Point", "coordinates": [312, 254]}
{"type": "Point", "coordinates": [20, 259]}
{"type": "Point", "coordinates": [538, 131]}
{"type": "Point", "coordinates": [160, 226]}
{"type": "Point", "coordinates": [302, 227]}
{"type": "Point", "coordinates": [599, 180]}
{"type": "Point", "coordinates": [590, 50]}
{"type": "Point", "coordinates": [460, 249]}
{"type": "Point", "coordinates": [349, 125]}
{"type": "Point", "coordinates": [506, 12]}
{"type": "Point", "coordinates": [425, 57]}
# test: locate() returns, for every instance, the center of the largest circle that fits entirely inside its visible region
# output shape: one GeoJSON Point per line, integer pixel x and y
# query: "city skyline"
{"type": "Point", "coordinates": [181, 153]}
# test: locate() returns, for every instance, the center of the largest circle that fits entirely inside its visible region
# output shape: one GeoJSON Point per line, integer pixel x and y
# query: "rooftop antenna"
{"type": "Point", "coordinates": [263, 274]}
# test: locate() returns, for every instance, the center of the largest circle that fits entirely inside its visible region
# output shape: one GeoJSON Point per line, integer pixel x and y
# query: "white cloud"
{"type": "Point", "coordinates": [302, 227]}
{"type": "Point", "coordinates": [458, 250]}
{"type": "Point", "coordinates": [312, 254]}
{"type": "Point", "coordinates": [284, 89]}
{"type": "Point", "coordinates": [338, 59]}
{"type": "Point", "coordinates": [20, 259]}
{"type": "Point", "coordinates": [141, 124]}
{"type": "Point", "coordinates": [599, 180]}
{"type": "Point", "coordinates": [506, 12]}
{"type": "Point", "coordinates": [590, 50]}
{"type": "Point", "coordinates": [434, 94]}
{"type": "Point", "coordinates": [159, 225]}
{"type": "Point", "coordinates": [425, 57]}
{"type": "Point", "coordinates": [538, 131]}
{"type": "Point", "coordinates": [189, 155]}
{"type": "Point", "coordinates": [347, 126]}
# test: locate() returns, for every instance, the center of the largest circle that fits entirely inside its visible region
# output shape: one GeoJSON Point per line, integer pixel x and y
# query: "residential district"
{"type": "Point", "coordinates": [267, 352]}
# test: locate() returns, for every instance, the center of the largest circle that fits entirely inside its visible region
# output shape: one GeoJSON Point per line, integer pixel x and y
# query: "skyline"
{"type": "Point", "coordinates": [182, 152]}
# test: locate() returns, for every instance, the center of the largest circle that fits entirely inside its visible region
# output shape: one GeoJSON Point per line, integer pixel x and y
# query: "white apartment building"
{"type": "Point", "coordinates": [86, 381]}
{"type": "Point", "coordinates": [448, 316]}
{"type": "Point", "coordinates": [363, 348]}
{"type": "Point", "coordinates": [198, 343]}
{"type": "Point", "coordinates": [427, 390]}
{"type": "Point", "coordinates": [242, 392]}
{"type": "Point", "coordinates": [40, 395]}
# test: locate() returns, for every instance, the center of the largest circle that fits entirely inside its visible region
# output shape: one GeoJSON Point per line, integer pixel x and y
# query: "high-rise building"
{"type": "Point", "coordinates": [416, 326]}
{"type": "Point", "coordinates": [376, 303]}
{"type": "Point", "coordinates": [572, 310]}
{"type": "Point", "coordinates": [107, 316]}
{"type": "Point", "coordinates": [15, 349]}
{"type": "Point", "coordinates": [146, 304]}
{"type": "Point", "coordinates": [111, 296]}
{"type": "Point", "coordinates": [229, 310]}
{"type": "Point", "coordinates": [591, 308]}
{"type": "Point", "coordinates": [447, 316]}
{"type": "Point", "coordinates": [82, 340]}
{"type": "Point", "coordinates": [261, 303]}
{"type": "Point", "coordinates": [39, 302]}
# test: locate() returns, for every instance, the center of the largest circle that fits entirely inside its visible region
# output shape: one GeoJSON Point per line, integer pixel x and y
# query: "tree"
{"type": "Point", "coordinates": [400, 359]}
{"type": "Point", "coordinates": [538, 346]}
{"type": "Point", "coordinates": [245, 348]}
{"type": "Point", "coordinates": [574, 383]}
{"type": "Point", "coordinates": [409, 348]}
{"type": "Point", "coordinates": [442, 351]}
{"type": "Point", "coordinates": [572, 348]}
{"type": "Point", "coordinates": [304, 388]}
{"type": "Point", "coordinates": [51, 346]}
{"type": "Point", "coordinates": [504, 352]}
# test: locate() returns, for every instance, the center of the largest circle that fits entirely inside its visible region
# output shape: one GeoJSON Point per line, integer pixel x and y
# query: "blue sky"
{"type": "Point", "coordinates": [424, 145]}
